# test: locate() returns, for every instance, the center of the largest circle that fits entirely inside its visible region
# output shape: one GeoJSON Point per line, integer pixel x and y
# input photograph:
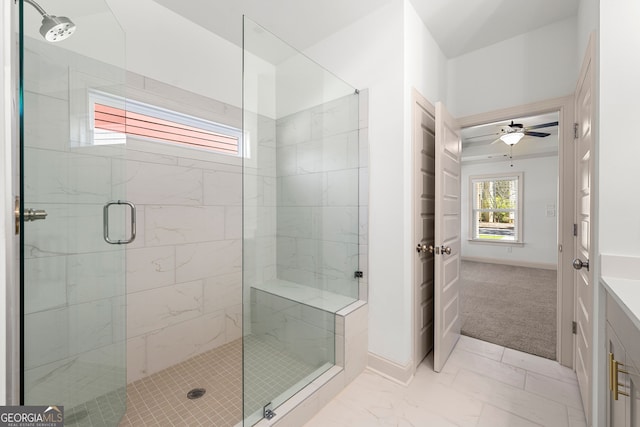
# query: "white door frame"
{"type": "Point", "coordinates": [9, 189]}
{"type": "Point", "coordinates": [565, 305]}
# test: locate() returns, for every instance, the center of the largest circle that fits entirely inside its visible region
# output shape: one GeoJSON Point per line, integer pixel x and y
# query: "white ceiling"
{"type": "Point", "coordinates": [459, 26]}
{"type": "Point", "coordinates": [300, 23]}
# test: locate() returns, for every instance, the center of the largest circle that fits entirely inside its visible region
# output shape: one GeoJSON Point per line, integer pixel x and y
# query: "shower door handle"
{"type": "Point", "coordinates": [105, 222]}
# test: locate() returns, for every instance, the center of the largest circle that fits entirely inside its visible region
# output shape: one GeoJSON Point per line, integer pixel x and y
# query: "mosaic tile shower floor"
{"type": "Point", "coordinates": [160, 399]}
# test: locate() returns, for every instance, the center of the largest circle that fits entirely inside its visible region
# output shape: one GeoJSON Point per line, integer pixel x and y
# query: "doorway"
{"type": "Point", "coordinates": [563, 107]}
{"type": "Point", "coordinates": [564, 210]}
{"type": "Point", "coordinates": [509, 233]}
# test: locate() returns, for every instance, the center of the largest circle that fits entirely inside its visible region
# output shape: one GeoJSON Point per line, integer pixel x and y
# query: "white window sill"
{"type": "Point", "coordinates": [496, 242]}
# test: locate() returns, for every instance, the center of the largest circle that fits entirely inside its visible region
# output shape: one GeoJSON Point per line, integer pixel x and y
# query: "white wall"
{"type": "Point", "coordinates": [374, 65]}
{"type": "Point", "coordinates": [531, 67]}
{"type": "Point", "coordinates": [302, 84]}
{"type": "Point", "coordinates": [619, 150]}
{"type": "Point", "coordinates": [167, 47]}
{"type": "Point", "coordinates": [587, 22]}
{"type": "Point", "coordinates": [368, 54]}
{"type": "Point", "coordinates": [99, 34]}
{"type": "Point", "coordinates": [425, 66]}
{"type": "Point", "coordinates": [540, 177]}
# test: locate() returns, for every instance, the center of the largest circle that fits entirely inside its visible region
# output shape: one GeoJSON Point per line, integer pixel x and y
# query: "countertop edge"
{"type": "Point", "coordinates": [626, 293]}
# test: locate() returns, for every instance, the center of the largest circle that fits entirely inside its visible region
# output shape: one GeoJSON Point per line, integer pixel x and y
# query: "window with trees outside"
{"type": "Point", "coordinates": [496, 214]}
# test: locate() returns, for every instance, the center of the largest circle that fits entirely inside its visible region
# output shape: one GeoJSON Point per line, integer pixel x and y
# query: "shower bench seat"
{"type": "Point", "coordinates": [317, 298]}
{"type": "Point", "coordinates": [347, 328]}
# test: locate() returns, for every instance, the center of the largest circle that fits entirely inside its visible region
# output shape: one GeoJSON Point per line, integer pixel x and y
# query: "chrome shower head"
{"type": "Point", "coordinates": [56, 28]}
{"type": "Point", "coordinates": [53, 28]}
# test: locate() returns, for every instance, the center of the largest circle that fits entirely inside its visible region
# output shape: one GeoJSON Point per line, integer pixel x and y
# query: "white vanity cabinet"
{"type": "Point", "coordinates": [623, 351]}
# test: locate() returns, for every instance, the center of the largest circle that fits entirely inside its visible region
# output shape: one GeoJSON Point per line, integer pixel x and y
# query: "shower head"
{"type": "Point", "coordinates": [56, 28]}
{"type": "Point", "coordinates": [53, 28]}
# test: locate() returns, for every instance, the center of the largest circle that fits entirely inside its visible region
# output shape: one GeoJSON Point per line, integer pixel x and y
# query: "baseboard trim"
{"type": "Point", "coordinates": [390, 370]}
{"type": "Point", "coordinates": [515, 263]}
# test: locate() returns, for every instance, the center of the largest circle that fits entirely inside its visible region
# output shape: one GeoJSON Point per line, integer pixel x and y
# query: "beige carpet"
{"type": "Point", "coordinates": [511, 306]}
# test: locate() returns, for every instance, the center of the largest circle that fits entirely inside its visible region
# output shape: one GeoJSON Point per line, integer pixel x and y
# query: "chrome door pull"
{"type": "Point", "coordinates": [34, 214]}
{"type": "Point", "coordinates": [27, 216]}
{"type": "Point", "coordinates": [578, 264]}
{"type": "Point", "coordinates": [105, 223]}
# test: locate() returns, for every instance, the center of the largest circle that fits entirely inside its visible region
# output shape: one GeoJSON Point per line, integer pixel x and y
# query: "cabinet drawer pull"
{"type": "Point", "coordinates": [614, 371]}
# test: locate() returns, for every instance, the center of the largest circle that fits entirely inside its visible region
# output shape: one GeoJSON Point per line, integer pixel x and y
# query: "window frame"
{"type": "Point", "coordinates": [134, 106]}
{"type": "Point", "coordinates": [519, 211]}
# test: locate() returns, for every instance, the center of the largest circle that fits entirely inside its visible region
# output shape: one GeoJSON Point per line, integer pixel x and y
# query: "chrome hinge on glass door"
{"type": "Point", "coordinates": [105, 224]}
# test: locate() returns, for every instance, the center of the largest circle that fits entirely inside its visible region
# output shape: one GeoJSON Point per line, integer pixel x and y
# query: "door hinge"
{"type": "Point", "coordinates": [574, 327]}
{"type": "Point", "coordinates": [575, 131]}
{"type": "Point", "coordinates": [16, 214]}
{"type": "Point", "coordinates": [575, 230]}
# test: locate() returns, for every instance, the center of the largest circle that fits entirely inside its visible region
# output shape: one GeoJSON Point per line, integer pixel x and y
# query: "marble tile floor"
{"type": "Point", "coordinates": [482, 385]}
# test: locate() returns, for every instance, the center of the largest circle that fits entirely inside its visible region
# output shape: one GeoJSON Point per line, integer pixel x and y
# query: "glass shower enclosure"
{"type": "Point", "coordinates": [300, 218]}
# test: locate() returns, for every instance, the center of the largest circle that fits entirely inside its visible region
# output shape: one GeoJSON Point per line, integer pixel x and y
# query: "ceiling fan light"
{"type": "Point", "coordinates": [512, 138]}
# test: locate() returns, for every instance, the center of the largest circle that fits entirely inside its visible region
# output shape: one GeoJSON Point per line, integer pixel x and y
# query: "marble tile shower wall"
{"type": "Point", "coordinates": [322, 176]}
{"type": "Point", "coordinates": [184, 273]}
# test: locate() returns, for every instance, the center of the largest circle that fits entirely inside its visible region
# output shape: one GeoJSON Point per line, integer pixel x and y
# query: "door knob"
{"type": "Point", "coordinates": [578, 264]}
{"type": "Point", "coordinates": [445, 250]}
{"type": "Point", "coordinates": [420, 248]}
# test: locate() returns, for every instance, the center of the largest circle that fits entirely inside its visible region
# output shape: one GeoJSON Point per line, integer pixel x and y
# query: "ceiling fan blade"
{"type": "Point", "coordinates": [538, 134]}
{"type": "Point", "coordinates": [543, 125]}
{"type": "Point", "coordinates": [482, 136]}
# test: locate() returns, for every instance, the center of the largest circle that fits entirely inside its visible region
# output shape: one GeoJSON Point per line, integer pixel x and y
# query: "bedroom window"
{"type": "Point", "coordinates": [496, 208]}
{"type": "Point", "coordinates": [114, 118]}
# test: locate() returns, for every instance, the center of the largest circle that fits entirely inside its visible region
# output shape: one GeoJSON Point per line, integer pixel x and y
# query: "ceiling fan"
{"type": "Point", "coordinates": [512, 133]}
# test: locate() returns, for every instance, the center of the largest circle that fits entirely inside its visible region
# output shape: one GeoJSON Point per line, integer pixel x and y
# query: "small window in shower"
{"type": "Point", "coordinates": [114, 118]}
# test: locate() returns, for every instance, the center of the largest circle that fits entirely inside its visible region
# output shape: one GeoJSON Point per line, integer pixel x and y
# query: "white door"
{"type": "Point", "coordinates": [583, 277]}
{"type": "Point", "coordinates": [447, 237]}
{"type": "Point", "coordinates": [424, 140]}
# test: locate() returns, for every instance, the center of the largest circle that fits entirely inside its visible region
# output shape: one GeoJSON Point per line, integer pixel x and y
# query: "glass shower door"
{"type": "Point", "coordinates": [73, 280]}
